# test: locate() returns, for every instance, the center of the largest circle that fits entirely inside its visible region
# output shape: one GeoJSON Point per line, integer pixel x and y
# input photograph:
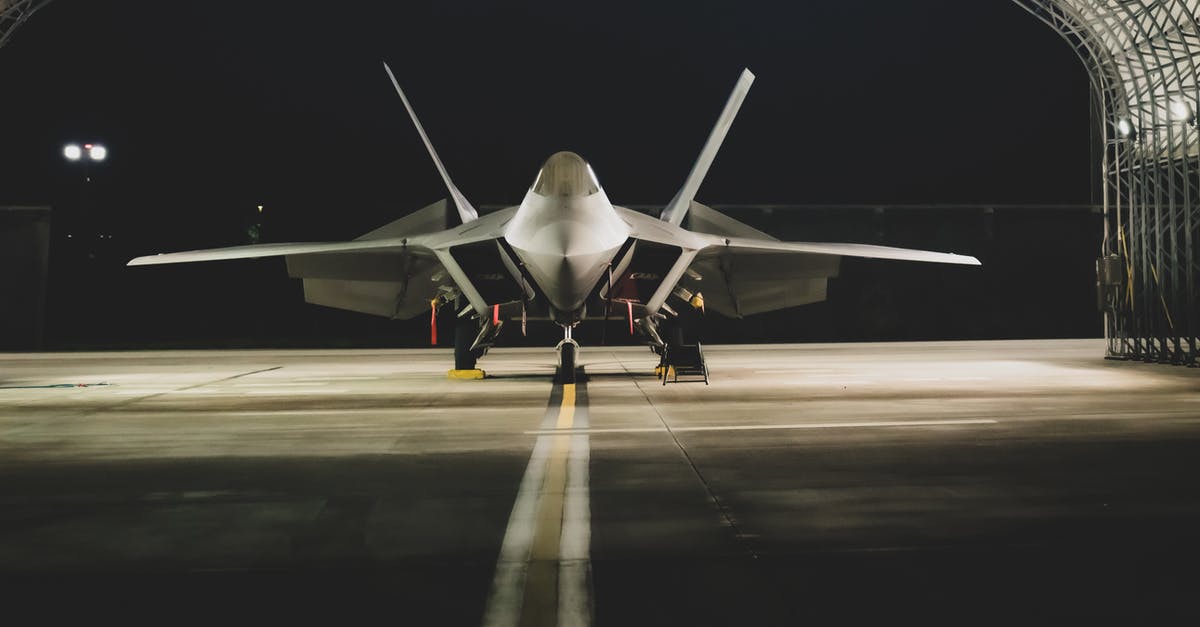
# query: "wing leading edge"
{"type": "Point", "coordinates": [394, 244]}
{"type": "Point", "coordinates": [745, 244]}
{"type": "Point", "coordinates": [351, 272]}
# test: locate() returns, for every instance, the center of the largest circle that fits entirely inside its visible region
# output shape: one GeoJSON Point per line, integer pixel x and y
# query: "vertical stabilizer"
{"type": "Point", "coordinates": [679, 205]}
{"type": "Point", "coordinates": [465, 210]}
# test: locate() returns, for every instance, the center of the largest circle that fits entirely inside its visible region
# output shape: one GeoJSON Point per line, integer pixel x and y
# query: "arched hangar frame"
{"type": "Point", "coordinates": [1142, 60]}
{"type": "Point", "coordinates": [14, 13]}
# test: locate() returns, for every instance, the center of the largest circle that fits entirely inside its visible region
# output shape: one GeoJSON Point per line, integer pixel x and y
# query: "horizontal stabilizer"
{"type": "Point", "coordinates": [428, 219]}
{"type": "Point", "coordinates": [705, 219]}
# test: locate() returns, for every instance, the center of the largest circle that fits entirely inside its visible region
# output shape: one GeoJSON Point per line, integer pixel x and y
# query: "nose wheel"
{"type": "Point", "coordinates": [568, 352]}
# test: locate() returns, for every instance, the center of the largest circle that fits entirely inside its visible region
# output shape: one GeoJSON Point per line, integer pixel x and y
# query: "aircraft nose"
{"type": "Point", "coordinates": [568, 238]}
{"type": "Point", "coordinates": [566, 278]}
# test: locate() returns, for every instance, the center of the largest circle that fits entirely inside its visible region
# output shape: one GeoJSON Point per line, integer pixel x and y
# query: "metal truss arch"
{"type": "Point", "coordinates": [14, 13]}
{"type": "Point", "coordinates": [1142, 60]}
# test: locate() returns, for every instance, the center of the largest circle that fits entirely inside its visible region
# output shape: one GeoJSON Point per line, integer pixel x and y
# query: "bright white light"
{"type": "Point", "coordinates": [72, 152]}
{"type": "Point", "coordinates": [1125, 127]}
{"type": "Point", "coordinates": [97, 153]}
{"type": "Point", "coordinates": [1181, 110]}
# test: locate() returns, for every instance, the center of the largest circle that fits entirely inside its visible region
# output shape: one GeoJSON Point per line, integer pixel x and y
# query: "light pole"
{"type": "Point", "coordinates": [87, 154]}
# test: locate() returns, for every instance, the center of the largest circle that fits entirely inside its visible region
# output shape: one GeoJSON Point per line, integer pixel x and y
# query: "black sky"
{"type": "Point", "coordinates": [285, 103]}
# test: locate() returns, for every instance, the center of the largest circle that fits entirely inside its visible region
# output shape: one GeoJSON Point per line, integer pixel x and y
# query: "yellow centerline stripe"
{"type": "Point", "coordinates": [541, 582]}
{"type": "Point", "coordinates": [566, 412]}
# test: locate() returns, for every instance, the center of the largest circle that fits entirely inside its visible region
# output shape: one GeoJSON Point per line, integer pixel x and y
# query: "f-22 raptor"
{"type": "Point", "coordinates": [565, 254]}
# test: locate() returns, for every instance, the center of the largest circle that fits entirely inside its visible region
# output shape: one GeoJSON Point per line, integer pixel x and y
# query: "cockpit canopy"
{"type": "Point", "coordinates": [566, 174]}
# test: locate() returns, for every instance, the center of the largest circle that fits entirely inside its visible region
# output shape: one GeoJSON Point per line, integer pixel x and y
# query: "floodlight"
{"type": "Point", "coordinates": [72, 152]}
{"type": "Point", "coordinates": [1181, 110]}
{"type": "Point", "coordinates": [97, 153]}
{"type": "Point", "coordinates": [1126, 128]}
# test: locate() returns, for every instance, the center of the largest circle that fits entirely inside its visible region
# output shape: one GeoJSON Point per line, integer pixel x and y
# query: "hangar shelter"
{"type": "Point", "coordinates": [1142, 58]}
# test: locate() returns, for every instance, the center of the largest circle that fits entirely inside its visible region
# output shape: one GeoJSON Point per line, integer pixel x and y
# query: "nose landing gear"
{"type": "Point", "coordinates": [568, 351]}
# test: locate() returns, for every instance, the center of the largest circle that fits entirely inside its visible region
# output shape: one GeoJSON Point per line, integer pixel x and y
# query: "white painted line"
{"type": "Point", "coordinates": [319, 379]}
{"type": "Point", "coordinates": [294, 391]}
{"type": "Point", "coordinates": [278, 384]}
{"type": "Point", "coordinates": [571, 593]}
{"type": "Point", "coordinates": [314, 412]}
{"type": "Point", "coordinates": [844, 425]}
{"type": "Point", "coordinates": [594, 431]}
{"type": "Point", "coordinates": [806, 425]}
{"type": "Point", "coordinates": [929, 379]}
{"type": "Point", "coordinates": [574, 568]}
{"type": "Point", "coordinates": [508, 584]}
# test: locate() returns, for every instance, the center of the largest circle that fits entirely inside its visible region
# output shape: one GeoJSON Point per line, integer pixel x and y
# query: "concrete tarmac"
{"type": "Point", "coordinates": [964, 482]}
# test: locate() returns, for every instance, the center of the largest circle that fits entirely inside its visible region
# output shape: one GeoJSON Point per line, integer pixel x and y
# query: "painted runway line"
{"type": "Point", "coordinates": [276, 384]}
{"type": "Point", "coordinates": [293, 391]}
{"type": "Point", "coordinates": [543, 574]}
{"type": "Point", "coordinates": [346, 378]}
{"type": "Point", "coordinates": [803, 425]}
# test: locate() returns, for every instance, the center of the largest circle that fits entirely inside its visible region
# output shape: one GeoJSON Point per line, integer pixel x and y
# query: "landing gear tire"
{"type": "Point", "coordinates": [568, 350]}
{"type": "Point", "coordinates": [465, 330]}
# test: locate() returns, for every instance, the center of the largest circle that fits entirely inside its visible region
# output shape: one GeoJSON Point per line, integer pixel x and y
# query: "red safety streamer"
{"type": "Point", "coordinates": [496, 315]}
{"type": "Point", "coordinates": [433, 322]}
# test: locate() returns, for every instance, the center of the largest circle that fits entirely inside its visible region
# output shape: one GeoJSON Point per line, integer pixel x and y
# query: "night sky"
{"type": "Point", "coordinates": [208, 113]}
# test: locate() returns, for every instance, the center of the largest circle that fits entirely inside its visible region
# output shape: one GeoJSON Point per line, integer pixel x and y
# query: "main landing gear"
{"type": "Point", "coordinates": [465, 330]}
{"type": "Point", "coordinates": [568, 351]}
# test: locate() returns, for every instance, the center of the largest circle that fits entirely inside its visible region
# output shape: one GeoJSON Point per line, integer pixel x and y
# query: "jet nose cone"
{"type": "Point", "coordinates": [567, 279]}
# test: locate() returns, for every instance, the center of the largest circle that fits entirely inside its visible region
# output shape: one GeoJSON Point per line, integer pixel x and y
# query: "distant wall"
{"type": "Point", "coordinates": [24, 253]}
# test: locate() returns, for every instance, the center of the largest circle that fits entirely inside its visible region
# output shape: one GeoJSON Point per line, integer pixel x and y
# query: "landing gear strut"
{"type": "Point", "coordinates": [568, 350]}
{"type": "Point", "coordinates": [465, 330]}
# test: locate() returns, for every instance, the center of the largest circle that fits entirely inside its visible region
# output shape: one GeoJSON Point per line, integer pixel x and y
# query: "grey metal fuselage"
{"type": "Point", "coordinates": [566, 233]}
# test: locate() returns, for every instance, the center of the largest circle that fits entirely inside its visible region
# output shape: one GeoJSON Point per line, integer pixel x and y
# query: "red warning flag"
{"type": "Point", "coordinates": [433, 322]}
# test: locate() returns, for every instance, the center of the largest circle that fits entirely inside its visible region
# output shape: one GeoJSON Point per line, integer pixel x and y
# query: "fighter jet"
{"type": "Point", "coordinates": [564, 255]}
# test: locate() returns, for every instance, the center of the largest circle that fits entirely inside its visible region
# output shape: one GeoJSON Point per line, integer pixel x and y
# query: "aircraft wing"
{"type": "Point", "coordinates": [742, 271]}
{"type": "Point", "coordinates": [275, 250]}
{"type": "Point", "coordinates": [394, 271]}
{"type": "Point", "coordinates": [739, 276]}
{"type": "Point", "coordinates": [747, 245]}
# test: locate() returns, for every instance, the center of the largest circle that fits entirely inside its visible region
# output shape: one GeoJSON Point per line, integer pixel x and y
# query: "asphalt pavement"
{"type": "Point", "coordinates": [950, 482]}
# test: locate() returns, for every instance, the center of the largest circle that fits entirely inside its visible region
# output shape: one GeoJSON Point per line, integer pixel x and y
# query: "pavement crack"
{"type": "Point", "coordinates": [177, 390]}
{"type": "Point", "coordinates": [726, 515]}
{"type": "Point", "coordinates": [125, 403]}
